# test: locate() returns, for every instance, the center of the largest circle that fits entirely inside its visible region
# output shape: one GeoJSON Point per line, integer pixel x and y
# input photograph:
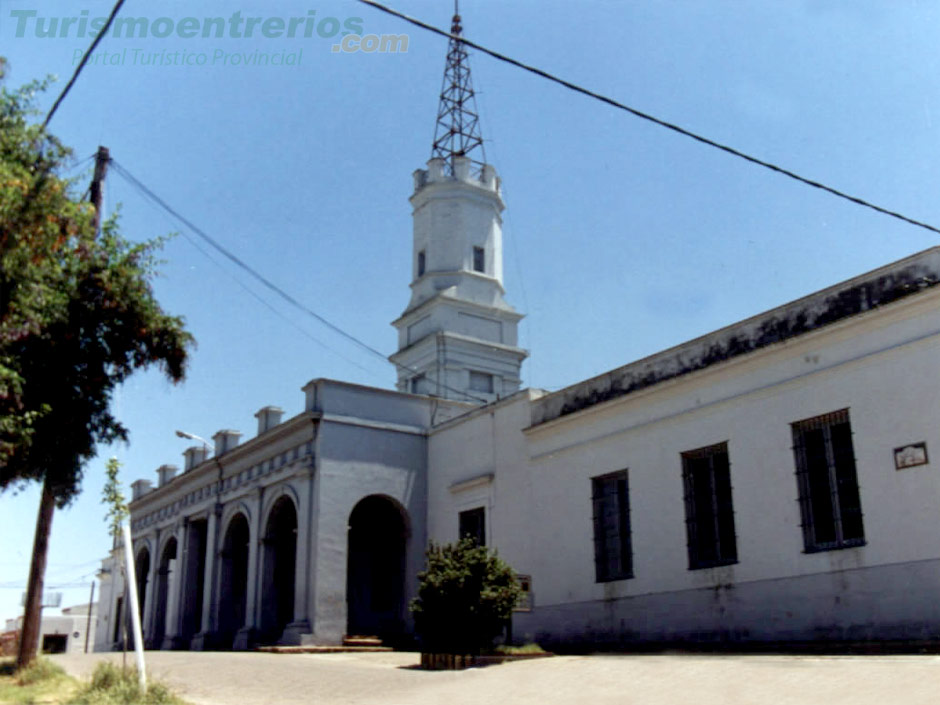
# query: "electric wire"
{"type": "Point", "coordinates": [655, 120]}
{"type": "Point", "coordinates": [123, 172]}
{"type": "Point", "coordinates": [81, 64]}
{"type": "Point", "coordinates": [272, 309]}
{"type": "Point", "coordinates": [509, 233]}
{"type": "Point", "coordinates": [303, 331]}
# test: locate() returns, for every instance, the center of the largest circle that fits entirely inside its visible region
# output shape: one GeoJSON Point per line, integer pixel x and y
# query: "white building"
{"type": "Point", "coordinates": [65, 632]}
{"type": "Point", "coordinates": [767, 482]}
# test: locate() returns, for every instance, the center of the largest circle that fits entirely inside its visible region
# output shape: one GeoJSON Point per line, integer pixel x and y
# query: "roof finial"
{"type": "Point", "coordinates": [457, 133]}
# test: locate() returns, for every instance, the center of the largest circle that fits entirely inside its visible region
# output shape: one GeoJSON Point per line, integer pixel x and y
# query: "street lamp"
{"type": "Point", "coordinates": [193, 437]}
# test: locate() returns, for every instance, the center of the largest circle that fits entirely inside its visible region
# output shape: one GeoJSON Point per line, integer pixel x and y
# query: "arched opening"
{"type": "Point", "coordinates": [197, 533]}
{"type": "Point", "coordinates": [166, 580]}
{"type": "Point", "coordinates": [375, 572]}
{"type": "Point", "coordinates": [142, 568]}
{"type": "Point", "coordinates": [279, 570]}
{"type": "Point", "coordinates": [233, 584]}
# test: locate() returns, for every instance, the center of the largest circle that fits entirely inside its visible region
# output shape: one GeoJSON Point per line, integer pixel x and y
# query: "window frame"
{"type": "Point", "coordinates": [489, 388]}
{"type": "Point", "coordinates": [479, 259]}
{"type": "Point", "coordinates": [720, 520]}
{"type": "Point", "coordinates": [481, 523]}
{"type": "Point", "coordinates": [842, 483]}
{"type": "Point", "coordinates": [422, 262]}
{"type": "Point", "coordinates": [606, 554]}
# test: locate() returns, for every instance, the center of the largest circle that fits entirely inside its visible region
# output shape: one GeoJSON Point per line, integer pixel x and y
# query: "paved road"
{"type": "Point", "coordinates": [391, 679]}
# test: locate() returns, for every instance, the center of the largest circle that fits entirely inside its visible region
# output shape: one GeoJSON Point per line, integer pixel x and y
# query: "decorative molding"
{"type": "Point", "coordinates": [472, 483]}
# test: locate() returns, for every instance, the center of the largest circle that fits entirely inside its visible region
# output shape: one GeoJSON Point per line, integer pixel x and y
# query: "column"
{"type": "Point", "coordinates": [175, 585]}
{"type": "Point", "coordinates": [245, 635]}
{"type": "Point", "coordinates": [203, 638]}
{"type": "Point", "coordinates": [171, 628]}
{"type": "Point", "coordinates": [149, 580]}
{"type": "Point", "coordinates": [150, 608]}
{"type": "Point", "coordinates": [299, 630]}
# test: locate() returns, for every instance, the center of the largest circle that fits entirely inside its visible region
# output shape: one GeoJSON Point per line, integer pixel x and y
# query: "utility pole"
{"type": "Point", "coordinates": [91, 602]}
{"type": "Point", "coordinates": [96, 193]}
{"type": "Point", "coordinates": [32, 616]}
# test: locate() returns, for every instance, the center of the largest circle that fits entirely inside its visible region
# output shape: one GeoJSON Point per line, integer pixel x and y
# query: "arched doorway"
{"type": "Point", "coordinates": [166, 579]}
{"type": "Point", "coordinates": [142, 568]}
{"type": "Point", "coordinates": [280, 556]}
{"type": "Point", "coordinates": [375, 573]}
{"type": "Point", "coordinates": [195, 557]}
{"type": "Point", "coordinates": [233, 584]}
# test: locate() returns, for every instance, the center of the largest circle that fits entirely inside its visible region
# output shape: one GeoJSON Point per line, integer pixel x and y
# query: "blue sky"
{"type": "Point", "coordinates": [621, 238]}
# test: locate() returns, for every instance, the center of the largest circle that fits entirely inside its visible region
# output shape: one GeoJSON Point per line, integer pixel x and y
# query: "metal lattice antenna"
{"type": "Point", "coordinates": [457, 133]}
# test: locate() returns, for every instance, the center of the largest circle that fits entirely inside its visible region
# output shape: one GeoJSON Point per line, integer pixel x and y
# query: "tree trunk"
{"type": "Point", "coordinates": [32, 616]}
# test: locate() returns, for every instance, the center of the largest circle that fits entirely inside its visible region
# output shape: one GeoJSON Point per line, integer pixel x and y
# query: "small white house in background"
{"type": "Point", "coordinates": [771, 481]}
{"type": "Point", "coordinates": [63, 633]}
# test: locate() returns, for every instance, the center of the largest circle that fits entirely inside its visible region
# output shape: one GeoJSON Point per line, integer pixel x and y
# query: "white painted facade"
{"type": "Point", "coordinates": [315, 528]}
{"type": "Point", "coordinates": [65, 632]}
{"type": "Point", "coordinates": [879, 364]}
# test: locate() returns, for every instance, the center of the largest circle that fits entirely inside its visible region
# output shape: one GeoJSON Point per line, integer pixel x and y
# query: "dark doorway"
{"type": "Point", "coordinates": [195, 571]}
{"type": "Point", "coordinates": [375, 573]}
{"type": "Point", "coordinates": [280, 556]}
{"type": "Point", "coordinates": [165, 580]}
{"type": "Point", "coordinates": [118, 617]}
{"type": "Point", "coordinates": [142, 569]}
{"type": "Point", "coordinates": [54, 643]}
{"type": "Point", "coordinates": [233, 585]}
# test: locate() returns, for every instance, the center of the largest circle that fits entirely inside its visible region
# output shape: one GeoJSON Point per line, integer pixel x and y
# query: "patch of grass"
{"type": "Point", "coordinates": [531, 648]}
{"type": "Point", "coordinates": [112, 685]}
{"type": "Point", "coordinates": [41, 682]}
{"type": "Point", "coordinates": [39, 671]}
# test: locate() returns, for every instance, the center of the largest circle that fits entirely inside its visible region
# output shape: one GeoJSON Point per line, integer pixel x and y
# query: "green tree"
{"type": "Point", "coordinates": [77, 317]}
{"type": "Point", "coordinates": [465, 597]}
{"type": "Point", "coordinates": [112, 496]}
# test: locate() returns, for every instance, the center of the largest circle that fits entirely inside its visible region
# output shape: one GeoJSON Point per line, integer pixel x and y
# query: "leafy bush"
{"type": "Point", "coordinates": [465, 597]}
{"type": "Point", "coordinates": [523, 650]}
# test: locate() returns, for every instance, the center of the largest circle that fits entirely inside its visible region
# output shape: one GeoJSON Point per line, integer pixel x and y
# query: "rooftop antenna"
{"type": "Point", "coordinates": [457, 133]}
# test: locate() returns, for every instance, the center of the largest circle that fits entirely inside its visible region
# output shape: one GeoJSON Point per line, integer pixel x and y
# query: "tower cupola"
{"type": "Point", "coordinates": [458, 336]}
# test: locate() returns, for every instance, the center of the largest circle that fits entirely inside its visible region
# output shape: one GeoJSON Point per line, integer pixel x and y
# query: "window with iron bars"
{"type": "Point", "coordinates": [830, 504]}
{"type": "Point", "coordinates": [709, 512]}
{"type": "Point", "coordinates": [613, 550]}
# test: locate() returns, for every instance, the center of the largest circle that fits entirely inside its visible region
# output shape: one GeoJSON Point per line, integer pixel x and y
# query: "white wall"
{"type": "Point", "coordinates": [881, 365]}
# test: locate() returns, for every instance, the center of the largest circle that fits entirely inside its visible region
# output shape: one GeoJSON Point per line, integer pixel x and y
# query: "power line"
{"type": "Point", "coordinates": [655, 120]}
{"type": "Point", "coordinates": [266, 282]}
{"type": "Point", "coordinates": [240, 263]}
{"type": "Point", "coordinates": [195, 243]}
{"type": "Point", "coordinates": [271, 308]}
{"type": "Point", "coordinates": [81, 64]}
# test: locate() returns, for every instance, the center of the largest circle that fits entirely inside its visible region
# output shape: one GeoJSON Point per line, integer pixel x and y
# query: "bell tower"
{"type": "Point", "coordinates": [458, 338]}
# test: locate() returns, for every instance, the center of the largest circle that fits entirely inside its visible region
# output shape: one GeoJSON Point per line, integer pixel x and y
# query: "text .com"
{"type": "Point", "coordinates": [372, 44]}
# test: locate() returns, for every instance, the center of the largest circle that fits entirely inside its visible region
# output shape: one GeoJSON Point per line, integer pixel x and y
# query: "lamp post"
{"type": "Point", "coordinates": [212, 538]}
{"type": "Point", "coordinates": [193, 437]}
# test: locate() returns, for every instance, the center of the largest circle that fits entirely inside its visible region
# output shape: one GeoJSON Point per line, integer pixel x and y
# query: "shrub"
{"type": "Point", "coordinates": [112, 685]}
{"type": "Point", "coordinates": [39, 670]}
{"type": "Point", "coordinates": [465, 598]}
